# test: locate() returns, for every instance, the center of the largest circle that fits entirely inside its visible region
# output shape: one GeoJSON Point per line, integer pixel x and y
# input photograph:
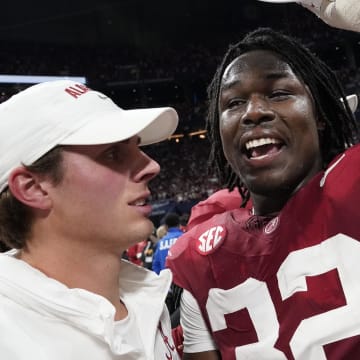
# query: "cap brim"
{"type": "Point", "coordinates": [152, 125]}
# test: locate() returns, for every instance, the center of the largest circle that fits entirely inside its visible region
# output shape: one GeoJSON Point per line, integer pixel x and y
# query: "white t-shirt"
{"type": "Point", "coordinates": [42, 319]}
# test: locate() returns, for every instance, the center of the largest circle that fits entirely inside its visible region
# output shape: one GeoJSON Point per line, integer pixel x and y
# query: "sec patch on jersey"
{"type": "Point", "coordinates": [210, 240]}
{"type": "Point", "coordinates": [204, 238]}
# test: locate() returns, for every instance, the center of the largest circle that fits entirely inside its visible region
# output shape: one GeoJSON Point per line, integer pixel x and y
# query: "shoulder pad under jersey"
{"type": "Point", "coordinates": [219, 202]}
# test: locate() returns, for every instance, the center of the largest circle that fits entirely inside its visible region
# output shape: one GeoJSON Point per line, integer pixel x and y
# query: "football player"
{"type": "Point", "coordinates": [277, 279]}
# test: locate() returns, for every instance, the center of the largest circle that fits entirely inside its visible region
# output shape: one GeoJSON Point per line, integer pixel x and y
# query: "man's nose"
{"type": "Point", "coordinates": [148, 169]}
{"type": "Point", "coordinates": [257, 111]}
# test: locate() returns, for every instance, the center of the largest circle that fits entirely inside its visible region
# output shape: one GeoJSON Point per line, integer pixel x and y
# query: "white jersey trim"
{"type": "Point", "coordinates": [197, 337]}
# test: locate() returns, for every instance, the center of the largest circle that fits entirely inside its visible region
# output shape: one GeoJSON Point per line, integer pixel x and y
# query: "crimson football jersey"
{"type": "Point", "coordinates": [286, 287]}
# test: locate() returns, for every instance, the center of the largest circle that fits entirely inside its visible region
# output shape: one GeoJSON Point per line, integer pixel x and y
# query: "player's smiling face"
{"type": "Point", "coordinates": [268, 125]}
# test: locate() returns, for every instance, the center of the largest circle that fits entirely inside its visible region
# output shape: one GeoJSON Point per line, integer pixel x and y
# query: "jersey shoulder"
{"type": "Point", "coordinates": [189, 255]}
{"type": "Point", "coordinates": [189, 239]}
{"type": "Point", "coordinates": [342, 175]}
{"type": "Point", "coordinates": [219, 202]}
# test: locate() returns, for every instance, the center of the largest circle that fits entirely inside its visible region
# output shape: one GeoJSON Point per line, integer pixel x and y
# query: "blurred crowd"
{"type": "Point", "coordinates": [184, 171]}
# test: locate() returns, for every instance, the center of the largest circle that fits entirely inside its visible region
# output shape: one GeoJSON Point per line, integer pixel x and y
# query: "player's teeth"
{"type": "Point", "coordinates": [260, 142]}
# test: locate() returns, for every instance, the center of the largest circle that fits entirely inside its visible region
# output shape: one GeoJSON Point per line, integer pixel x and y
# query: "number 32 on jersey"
{"type": "Point", "coordinates": [339, 252]}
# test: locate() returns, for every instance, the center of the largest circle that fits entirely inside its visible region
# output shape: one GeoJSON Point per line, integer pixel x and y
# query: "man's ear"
{"type": "Point", "coordinates": [27, 188]}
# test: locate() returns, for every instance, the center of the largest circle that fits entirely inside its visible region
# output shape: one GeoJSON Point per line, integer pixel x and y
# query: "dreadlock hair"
{"type": "Point", "coordinates": [341, 129]}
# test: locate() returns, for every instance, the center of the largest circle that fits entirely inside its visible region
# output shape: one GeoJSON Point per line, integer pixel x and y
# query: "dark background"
{"type": "Point", "coordinates": [141, 23]}
{"type": "Point", "coordinates": [121, 44]}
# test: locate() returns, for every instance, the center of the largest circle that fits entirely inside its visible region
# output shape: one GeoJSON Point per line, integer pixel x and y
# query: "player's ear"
{"type": "Point", "coordinates": [28, 188]}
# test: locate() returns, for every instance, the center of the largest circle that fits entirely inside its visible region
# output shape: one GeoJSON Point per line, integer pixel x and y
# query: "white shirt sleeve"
{"type": "Point", "coordinates": [197, 337]}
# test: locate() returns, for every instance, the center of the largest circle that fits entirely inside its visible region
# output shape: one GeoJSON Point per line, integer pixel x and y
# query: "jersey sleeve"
{"type": "Point", "coordinates": [197, 337]}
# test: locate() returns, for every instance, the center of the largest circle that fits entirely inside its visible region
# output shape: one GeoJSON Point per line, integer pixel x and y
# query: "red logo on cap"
{"type": "Point", "coordinates": [77, 90]}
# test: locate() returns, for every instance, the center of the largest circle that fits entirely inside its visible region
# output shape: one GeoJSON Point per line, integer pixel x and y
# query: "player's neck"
{"type": "Point", "coordinates": [266, 207]}
{"type": "Point", "coordinates": [268, 214]}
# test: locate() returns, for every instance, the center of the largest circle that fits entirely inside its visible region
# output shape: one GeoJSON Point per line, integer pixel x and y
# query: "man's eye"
{"type": "Point", "coordinates": [235, 102]}
{"type": "Point", "coordinates": [112, 154]}
{"type": "Point", "coordinates": [279, 95]}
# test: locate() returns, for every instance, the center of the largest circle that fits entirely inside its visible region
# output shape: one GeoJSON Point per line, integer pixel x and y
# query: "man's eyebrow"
{"type": "Point", "coordinates": [277, 75]}
{"type": "Point", "coordinates": [270, 76]}
{"type": "Point", "coordinates": [229, 84]}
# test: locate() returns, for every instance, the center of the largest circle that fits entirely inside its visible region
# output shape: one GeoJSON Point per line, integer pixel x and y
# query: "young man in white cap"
{"type": "Point", "coordinates": [74, 189]}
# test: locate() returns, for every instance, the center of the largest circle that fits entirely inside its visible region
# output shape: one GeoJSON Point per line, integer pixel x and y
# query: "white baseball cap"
{"type": "Point", "coordinates": [64, 112]}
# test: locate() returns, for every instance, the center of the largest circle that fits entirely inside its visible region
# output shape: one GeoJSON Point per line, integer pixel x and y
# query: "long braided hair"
{"type": "Point", "coordinates": [341, 129]}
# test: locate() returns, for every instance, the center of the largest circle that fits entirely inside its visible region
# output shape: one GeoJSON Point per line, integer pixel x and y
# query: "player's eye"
{"type": "Point", "coordinates": [279, 95]}
{"type": "Point", "coordinates": [233, 103]}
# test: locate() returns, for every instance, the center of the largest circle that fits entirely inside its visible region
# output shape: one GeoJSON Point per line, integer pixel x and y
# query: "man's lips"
{"type": "Point", "coordinates": [141, 200]}
{"type": "Point", "coordinates": [141, 204]}
{"type": "Point", "coordinates": [142, 207]}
